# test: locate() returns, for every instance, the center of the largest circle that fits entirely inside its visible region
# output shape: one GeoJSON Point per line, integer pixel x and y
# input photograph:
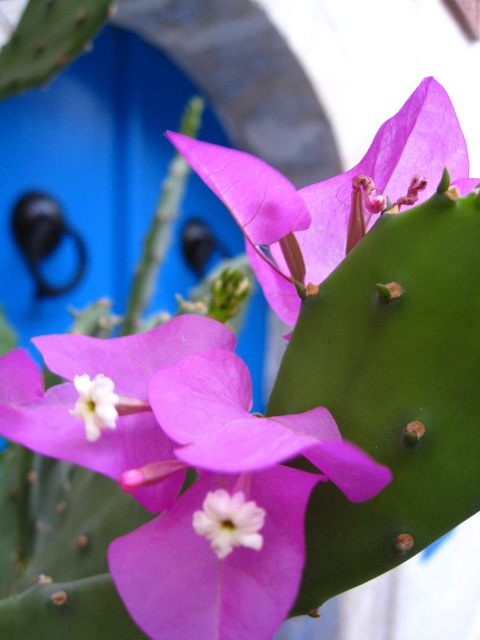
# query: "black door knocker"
{"type": "Point", "coordinates": [199, 246]}
{"type": "Point", "coordinates": [39, 226]}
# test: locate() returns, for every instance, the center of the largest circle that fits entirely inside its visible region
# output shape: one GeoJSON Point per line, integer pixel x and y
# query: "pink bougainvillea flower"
{"type": "Point", "coordinates": [225, 559]}
{"type": "Point", "coordinates": [263, 202]}
{"type": "Point", "coordinates": [421, 139]}
{"type": "Point", "coordinates": [203, 403]}
{"type": "Point", "coordinates": [77, 421]}
{"type": "Point", "coordinates": [175, 585]}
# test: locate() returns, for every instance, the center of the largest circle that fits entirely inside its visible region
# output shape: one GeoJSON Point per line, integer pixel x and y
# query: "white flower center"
{"type": "Point", "coordinates": [96, 404]}
{"type": "Point", "coordinates": [229, 521]}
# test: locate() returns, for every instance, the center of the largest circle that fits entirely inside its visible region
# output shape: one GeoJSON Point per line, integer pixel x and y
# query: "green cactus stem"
{"type": "Point", "coordinates": [379, 364]}
{"type": "Point", "coordinates": [96, 320]}
{"type": "Point", "coordinates": [50, 35]}
{"type": "Point", "coordinates": [25, 522]}
{"type": "Point", "coordinates": [159, 236]}
{"type": "Point", "coordinates": [52, 538]}
{"type": "Point", "coordinates": [8, 338]}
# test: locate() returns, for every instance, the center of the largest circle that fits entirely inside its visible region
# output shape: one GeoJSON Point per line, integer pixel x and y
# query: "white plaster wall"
{"type": "Point", "coordinates": [365, 57]}
{"type": "Point", "coordinates": [10, 13]}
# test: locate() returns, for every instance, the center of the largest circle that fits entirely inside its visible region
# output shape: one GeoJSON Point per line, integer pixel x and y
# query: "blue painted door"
{"type": "Point", "coordinates": [94, 140]}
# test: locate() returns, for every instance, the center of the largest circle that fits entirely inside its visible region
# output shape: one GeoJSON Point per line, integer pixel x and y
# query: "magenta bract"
{"type": "Point", "coordinates": [174, 586]}
{"type": "Point", "coordinates": [43, 422]}
{"type": "Point", "coordinates": [422, 138]}
{"type": "Point", "coordinates": [203, 403]}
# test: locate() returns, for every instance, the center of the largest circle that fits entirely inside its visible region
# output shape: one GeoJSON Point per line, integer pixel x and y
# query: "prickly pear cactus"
{"type": "Point", "coordinates": [49, 36]}
{"type": "Point", "coordinates": [57, 522]}
{"type": "Point", "coordinates": [391, 345]}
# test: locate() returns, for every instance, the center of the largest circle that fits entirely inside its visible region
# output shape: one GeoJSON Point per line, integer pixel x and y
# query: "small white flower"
{"type": "Point", "coordinates": [96, 404]}
{"type": "Point", "coordinates": [229, 521]}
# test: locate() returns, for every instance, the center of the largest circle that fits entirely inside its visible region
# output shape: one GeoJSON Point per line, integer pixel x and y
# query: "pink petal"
{"type": "Point", "coordinates": [130, 361]}
{"type": "Point", "coordinates": [174, 586]}
{"type": "Point", "coordinates": [466, 185]}
{"type": "Point", "coordinates": [263, 202]}
{"type": "Point", "coordinates": [252, 443]}
{"type": "Point", "coordinates": [21, 379]}
{"type": "Point", "coordinates": [46, 426]}
{"type": "Point", "coordinates": [202, 402]}
{"type": "Point", "coordinates": [351, 469]}
{"type": "Point", "coordinates": [423, 137]}
{"type": "Point", "coordinates": [199, 393]}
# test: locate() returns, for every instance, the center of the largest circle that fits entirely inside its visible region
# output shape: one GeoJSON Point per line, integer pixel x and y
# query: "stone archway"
{"type": "Point", "coordinates": [246, 70]}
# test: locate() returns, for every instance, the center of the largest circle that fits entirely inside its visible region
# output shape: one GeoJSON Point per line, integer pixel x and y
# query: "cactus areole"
{"type": "Point", "coordinates": [381, 363]}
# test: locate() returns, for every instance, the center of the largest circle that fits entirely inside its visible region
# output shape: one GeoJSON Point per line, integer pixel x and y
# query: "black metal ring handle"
{"type": "Point", "coordinates": [198, 245]}
{"type": "Point", "coordinates": [39, 227]}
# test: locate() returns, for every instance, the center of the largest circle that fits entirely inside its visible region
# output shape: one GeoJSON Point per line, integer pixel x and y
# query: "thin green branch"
{"type": "Point", "coordinates": [159, 237]}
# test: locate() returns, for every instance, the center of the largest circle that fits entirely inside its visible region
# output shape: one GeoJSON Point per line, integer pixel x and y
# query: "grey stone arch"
{"type": "Point", "coordinates": [250, 76]}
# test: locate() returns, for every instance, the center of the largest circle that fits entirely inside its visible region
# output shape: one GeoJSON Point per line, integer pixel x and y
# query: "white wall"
{"type": "Point", "coordinates": [10, 14]}
{"type": "Point", "coordinates": [365, 57]}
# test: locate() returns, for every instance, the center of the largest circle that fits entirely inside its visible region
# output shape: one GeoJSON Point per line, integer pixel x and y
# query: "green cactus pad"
{"type": "Point", "coordinates": [57, 522]}
{"type": "Point", "coordinates": [381, 362]}
{"type": "Point", "coordinates": [88, 608]}
{"type": "Point", "coordinates": [51, 33]}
